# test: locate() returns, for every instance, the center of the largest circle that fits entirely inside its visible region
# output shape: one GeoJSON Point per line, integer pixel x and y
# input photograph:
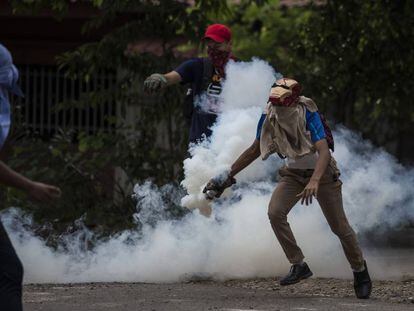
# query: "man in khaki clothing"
{"type": "Point", "coordinates": [292, 127]}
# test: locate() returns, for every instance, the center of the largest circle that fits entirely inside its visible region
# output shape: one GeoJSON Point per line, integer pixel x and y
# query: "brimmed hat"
{"type": "Point", "coordinates": [9, 74]}
{"type": "Point", "coordinates": [218, 32]}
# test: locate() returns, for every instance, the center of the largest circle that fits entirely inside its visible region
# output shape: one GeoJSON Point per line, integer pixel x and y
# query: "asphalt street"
{"type": "Point", "coordinates": [224, 296]}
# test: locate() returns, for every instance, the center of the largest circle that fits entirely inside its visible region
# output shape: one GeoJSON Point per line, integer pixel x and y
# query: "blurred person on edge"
{"type": "Point", "coordinates": [293, 128]}
{"type": "Point", "coordinates": [204, 74]}
{"type": "Point", "coordinates": [11, 269]}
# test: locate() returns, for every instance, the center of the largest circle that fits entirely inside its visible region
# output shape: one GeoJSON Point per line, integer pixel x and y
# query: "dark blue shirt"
{"type": "Point", "coordinates": [191, 71]}
{"type": "Point", "coordinates": [313, 125]}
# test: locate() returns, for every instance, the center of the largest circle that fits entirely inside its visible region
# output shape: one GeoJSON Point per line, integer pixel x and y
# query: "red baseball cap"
{"type": "Point", "coordinates": [218, 32]}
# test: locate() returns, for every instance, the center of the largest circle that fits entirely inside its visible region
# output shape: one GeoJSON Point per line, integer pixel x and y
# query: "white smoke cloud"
{"type": "Point", "coordinates": [237, 240]}
{"type": "Point", "coordinates": [245, 94]}
{"type": "Point", "coordinates": [248, 85]}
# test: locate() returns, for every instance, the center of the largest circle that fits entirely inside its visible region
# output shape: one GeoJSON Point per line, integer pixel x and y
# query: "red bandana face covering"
{"type": "Point", "coordinates": [218, 58]}
{"type": "Point", "coordinates": [285, 93]}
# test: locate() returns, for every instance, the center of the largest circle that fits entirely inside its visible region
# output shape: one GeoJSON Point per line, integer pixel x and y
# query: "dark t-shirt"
{"type": "Point", "coordinates": [191, 71]}
{"type": "Point", "coordinates": [206, 97]}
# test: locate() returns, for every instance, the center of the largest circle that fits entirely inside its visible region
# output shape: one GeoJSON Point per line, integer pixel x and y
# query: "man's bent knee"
{"type": "Point", "coordinates": [277, 217]}
{"type": "Point", "coordinates": [344, 232]}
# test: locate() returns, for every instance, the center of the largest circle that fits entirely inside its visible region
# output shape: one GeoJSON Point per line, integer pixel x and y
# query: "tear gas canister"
{"type": "Point", "coordinates": [210, 194]}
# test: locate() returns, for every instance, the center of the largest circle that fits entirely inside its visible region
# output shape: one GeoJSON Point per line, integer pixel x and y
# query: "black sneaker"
{"type": "Point", "coordinates": [362, 283]}
{"type": "Point", "coordinates": [297, 272]}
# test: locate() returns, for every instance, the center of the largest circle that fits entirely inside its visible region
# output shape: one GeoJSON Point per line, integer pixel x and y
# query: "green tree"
{"type": "Point", "coordinates": [354, 58]}
{"type": "Point", "coordinates": [136, 146]}
{"type": "Point", "coordinates": [357, 62]}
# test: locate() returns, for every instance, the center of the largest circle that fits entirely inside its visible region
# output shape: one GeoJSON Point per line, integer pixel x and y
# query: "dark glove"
{"type": "Point", "coordinates": [154, 83]}
{"type": "Point", "coordinates": [216, 186]}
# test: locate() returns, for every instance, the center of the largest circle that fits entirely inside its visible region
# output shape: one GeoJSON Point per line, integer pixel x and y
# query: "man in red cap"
{"type": "Point", "coordinates": [204, 75]}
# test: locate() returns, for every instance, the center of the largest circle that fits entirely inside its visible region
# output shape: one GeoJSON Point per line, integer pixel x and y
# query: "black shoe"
{"type": "Point", "coordinates": [362, 283]}
{"type": "Point", "coordinates": [297, 272]}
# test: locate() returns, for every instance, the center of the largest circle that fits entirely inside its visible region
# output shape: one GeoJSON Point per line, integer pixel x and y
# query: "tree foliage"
{"type": "Point", "coordinates": [152, 146]}
{"type": "Point", "coordinates": [359, 57]}
{"type": "Point", "coordinates": [354, 58]}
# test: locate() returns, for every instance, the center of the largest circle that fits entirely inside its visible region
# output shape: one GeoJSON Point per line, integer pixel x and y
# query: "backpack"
{"type": "Point", "coordinates": [328, 132]}
{"type": "Point", "coordinates": [188, 107]}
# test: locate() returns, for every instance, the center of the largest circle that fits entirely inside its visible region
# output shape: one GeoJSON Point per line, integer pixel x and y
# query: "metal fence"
{"type": "Point", "coordinates": [50, 97]}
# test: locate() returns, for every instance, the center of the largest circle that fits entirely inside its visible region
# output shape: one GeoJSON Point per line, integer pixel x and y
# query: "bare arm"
{"type": "Point", "coordinates": [312, 187]}
{"type": "Point", "coordinates": [172, 77]}
{"type": "Point", "coordinates": [219, 184]}
{"type": "Point", "coordinates": [323, 159]}
{"type": "Point", "coordinates": [36, 190]}
{"type": "Point", "coordinates": [13, 179]}
{"type": "Point", "coordinates": [246, 158]}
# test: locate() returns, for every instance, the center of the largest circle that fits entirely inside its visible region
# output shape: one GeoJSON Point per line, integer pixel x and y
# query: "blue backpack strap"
{"type": "Point", "coordinates": [328, 132]}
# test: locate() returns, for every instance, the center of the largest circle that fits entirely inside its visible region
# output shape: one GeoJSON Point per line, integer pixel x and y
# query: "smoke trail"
{"type": "Point", "coordinates": [245, 93]}
{"type": "Point", "coordinates": [237, 240]}
{"type": "Point", "coordinates": [379, 188]}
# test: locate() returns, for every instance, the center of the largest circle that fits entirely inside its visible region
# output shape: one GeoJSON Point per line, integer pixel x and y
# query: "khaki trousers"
{"type": "Point", "coordinates": [292, 182]}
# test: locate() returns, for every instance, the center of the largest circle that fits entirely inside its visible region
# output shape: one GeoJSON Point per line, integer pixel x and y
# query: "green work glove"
{"type": "Point", "coordinates": [154, 83]}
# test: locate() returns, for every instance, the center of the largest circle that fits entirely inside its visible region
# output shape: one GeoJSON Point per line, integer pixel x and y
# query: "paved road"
{"type": "Point", "coordinates": [227, 296]}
